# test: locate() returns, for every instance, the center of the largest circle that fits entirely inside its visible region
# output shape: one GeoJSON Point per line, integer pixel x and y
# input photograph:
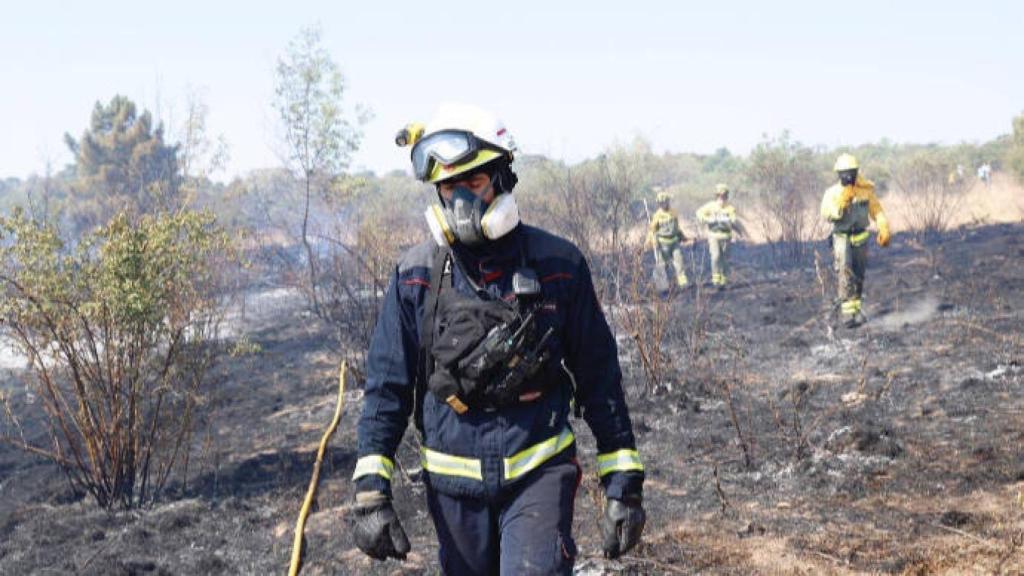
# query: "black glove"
{"type": "Point", "coordinates": [622, 524]}
{"type": "Point", "coordinates": [377, 530]}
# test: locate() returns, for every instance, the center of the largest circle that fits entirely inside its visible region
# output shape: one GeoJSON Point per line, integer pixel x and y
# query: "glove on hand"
{"type": "Point", "coordinates": [845, 198]}
{"type": "Point", "coordinates": [883, 236]}
{"type": "Point", "coordinates": [378, 532]}
{"type": "Point", "coordinates": [622, 524]}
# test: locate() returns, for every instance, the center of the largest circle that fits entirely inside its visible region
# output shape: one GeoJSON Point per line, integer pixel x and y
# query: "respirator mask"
{"type": "Point", "coordinates": [848, 177]}
{"type": "Point", "coordinates": [468, 220]}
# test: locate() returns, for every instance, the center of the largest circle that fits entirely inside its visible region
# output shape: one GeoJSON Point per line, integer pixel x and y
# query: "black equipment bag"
{"type": "Point", "coordinates": [479, 350]}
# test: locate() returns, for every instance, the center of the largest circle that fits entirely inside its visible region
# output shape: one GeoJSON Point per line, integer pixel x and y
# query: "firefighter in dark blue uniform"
{"type": "Point", "coordinates": [488, 335]}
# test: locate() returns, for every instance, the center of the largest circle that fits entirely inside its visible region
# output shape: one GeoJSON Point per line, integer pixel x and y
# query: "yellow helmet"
{"type": "Point", "coordinates": [721, 189]}
{"type": "Point", "coordinates": [458, 139]}
{"type": "Point", "coordinates": [846, 162]}
{"type": "Point", "coordinates": [662, 196]}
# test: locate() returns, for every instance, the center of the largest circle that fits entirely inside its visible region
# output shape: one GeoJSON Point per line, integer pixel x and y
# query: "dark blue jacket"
{"type": "Point", "coordinates": [480, 453]}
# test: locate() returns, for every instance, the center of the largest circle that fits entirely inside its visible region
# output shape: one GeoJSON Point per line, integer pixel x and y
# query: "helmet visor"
{"type": "Point", "coordinates": [446, 147]}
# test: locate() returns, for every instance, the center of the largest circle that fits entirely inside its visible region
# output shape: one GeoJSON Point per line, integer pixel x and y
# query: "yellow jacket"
{"type": "Point", "coordinates": [862, 206]}
{"type": "Point", "coordinates": [720, 220]}
{"type": "Point", "coordinates": [665, 227]}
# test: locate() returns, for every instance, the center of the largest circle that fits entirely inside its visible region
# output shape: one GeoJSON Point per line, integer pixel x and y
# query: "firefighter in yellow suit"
{"type": "Point", "coordinates": [850, 205]}
{"type": "Point", "coordinates": [667, 237]}
{"type": "Point", "coordinates": [720, 218]}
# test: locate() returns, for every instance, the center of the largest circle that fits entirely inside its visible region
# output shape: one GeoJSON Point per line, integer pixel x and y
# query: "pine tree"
{"type": "Point", "coordinates": [122, 164]}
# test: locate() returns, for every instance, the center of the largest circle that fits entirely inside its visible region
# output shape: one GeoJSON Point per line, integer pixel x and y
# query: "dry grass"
{"type": "Point", "coordinates": [1000, 204]}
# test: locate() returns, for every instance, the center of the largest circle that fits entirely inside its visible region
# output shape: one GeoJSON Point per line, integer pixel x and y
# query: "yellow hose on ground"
{"type": "Point", "coordinates": [300, 526]}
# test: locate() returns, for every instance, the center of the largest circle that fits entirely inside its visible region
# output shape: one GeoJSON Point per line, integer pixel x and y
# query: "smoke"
{"type": "Point", "coordinates": [919, 311]}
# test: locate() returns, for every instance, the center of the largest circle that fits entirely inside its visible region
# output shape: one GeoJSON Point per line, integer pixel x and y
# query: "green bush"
{"type": "Point", "coordinates": [118, 329]}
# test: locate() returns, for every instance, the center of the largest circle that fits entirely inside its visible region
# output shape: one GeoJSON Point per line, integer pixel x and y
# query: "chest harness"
{"type": "Point", "coordinates": [481, 351]}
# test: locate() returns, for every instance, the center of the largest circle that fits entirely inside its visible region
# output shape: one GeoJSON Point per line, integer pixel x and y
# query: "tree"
{"type": "Point", "coordinates": [201, 154]}
{"type": "Point", "coordinates": [789, 182]}
{"type": "Point", "coordinates": [122, 164]}
{"type": "Point", "coordinates": [119, 329]}
{"type": "Point", "coordinates": [933, 189]}
{"type": "Point", "coordinates": [1015, 154]}
{"type": "Point", "coordinates": [721, 161]}
{"type": "Point", "coordinates": [319, 140]}
{"type": "Point", "coordinates": [621, 174]}
{"type": "Point", "coordinates": [589, 203]}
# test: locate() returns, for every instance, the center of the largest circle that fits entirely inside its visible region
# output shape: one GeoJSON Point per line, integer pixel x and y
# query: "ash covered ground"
{"type": "Point", "coordinates": [775, 442]}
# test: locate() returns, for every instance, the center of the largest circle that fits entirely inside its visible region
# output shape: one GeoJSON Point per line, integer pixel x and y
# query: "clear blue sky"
{"type": "Point", "coordinates": [569, 78]}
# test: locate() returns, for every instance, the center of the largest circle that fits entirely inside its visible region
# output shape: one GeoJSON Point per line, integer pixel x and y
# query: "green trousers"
{"type": "Point", "coordinates": [851, 260]}
{"type": "Point", "coordinates": [671, 254]}
{"type": "Point", "coordinates": [719, 249]}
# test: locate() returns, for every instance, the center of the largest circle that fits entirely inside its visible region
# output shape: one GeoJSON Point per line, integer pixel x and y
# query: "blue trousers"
{"type": "Point", "coordinates": [526, 531]}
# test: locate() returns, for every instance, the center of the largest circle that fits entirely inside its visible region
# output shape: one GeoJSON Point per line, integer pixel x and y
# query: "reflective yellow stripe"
{"type": "Point", "coordinates": [374, 465]}
{"type": "Point", "coordinates": [619, 461]}
{"type": "Point", "coordinates": [529, 459]}
{"type": "Point", "coordinates": [441, 463]}
{"type": "Point", "coordinates": [851, 306]}
{"type": "Point", "coordinates": [855, 239]}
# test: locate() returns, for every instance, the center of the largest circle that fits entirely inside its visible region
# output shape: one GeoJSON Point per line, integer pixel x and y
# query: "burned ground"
{"type": "Point", "coordinates": [774, 441]}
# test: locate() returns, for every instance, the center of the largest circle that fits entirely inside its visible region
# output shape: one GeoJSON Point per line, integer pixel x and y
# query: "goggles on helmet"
{"type": "Point", "coordinates": [447, 147]}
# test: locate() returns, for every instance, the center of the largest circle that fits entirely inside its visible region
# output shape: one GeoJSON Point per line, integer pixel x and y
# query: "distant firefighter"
{"type": "Point", "coordinates": [985, 174]}
{"type": "Point", "coordinates": [667, 237]}
{"type": "Point", "coordinates": [720, 218]}
{"type": "Point", "coordinates": [851, 205]}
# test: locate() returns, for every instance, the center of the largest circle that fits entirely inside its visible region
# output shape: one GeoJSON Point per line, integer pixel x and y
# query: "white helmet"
{"type": "Point", "coordinates": [458, 139]}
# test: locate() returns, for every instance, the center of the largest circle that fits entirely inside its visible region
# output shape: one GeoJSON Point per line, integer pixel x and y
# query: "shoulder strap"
{"type": "Point", "coordinates": [425, 362]}
{"type": "Point", "coordinates": [437, 273]}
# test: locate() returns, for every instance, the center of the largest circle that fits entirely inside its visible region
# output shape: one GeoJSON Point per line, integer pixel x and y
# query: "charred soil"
{"type": "Point", "coordinates": [775, 441]}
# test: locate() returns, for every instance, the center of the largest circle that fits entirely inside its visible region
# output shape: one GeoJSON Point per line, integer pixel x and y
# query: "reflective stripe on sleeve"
{"type": "Point", "coordinates": [529, 459]}
{"type": "Point", "coordinates": [441, 463]}
{"type": "Point", "coordinates": [374, 464]}
{"type": "Point", "coordinates": [619, 461]}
